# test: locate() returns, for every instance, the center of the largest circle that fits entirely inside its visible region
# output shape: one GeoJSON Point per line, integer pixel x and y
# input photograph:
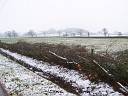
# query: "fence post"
{"type": "Point", "coordinates": [92, 52]}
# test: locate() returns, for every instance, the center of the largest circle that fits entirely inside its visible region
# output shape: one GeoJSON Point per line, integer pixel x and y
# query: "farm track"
{"type": "Point", "coordinates": [57, 80]}
{"type": "Point", "coordinates": [20, 81]}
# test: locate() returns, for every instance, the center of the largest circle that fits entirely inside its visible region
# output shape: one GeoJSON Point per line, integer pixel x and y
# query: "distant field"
{"type": "Point", "coordinates": [100, 44]}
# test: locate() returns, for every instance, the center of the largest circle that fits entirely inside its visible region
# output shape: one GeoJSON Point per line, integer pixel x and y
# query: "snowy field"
{"type": "Point", "coordinates": [19, 81]}
{"type": "Point", "coordinates": [76, 79]}
{"type": "Point", "coordinates": [99, 44]}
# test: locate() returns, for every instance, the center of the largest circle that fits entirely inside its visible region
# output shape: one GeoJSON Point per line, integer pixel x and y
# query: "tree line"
{"type": "Point", "coordinates": [32, 33]}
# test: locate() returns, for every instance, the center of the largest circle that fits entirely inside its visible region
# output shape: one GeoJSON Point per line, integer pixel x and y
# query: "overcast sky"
{"type": "Point", "coordinates": [93, 15]}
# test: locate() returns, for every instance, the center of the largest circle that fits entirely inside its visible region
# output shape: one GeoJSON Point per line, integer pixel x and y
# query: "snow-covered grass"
{"type": "Point", "coordinates": [19, 81]}
{"type": "Point", "coordinates": [99, 44]}
{"type": "Point", "coordinates": [76, 79]}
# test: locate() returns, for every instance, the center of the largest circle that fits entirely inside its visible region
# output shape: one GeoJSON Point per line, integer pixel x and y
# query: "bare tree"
{"type": "Point", "coordinates": [80, 33]}
{"type": "Point", "coordinates": [31, 33]}
{"type": "Point", "coordinates": [14, 33]}
{"type": "Point", "coordinates": [105, 31]}
{"type": "Point", "coordinates": [88, 34]}
{"type": "Point", "coordinates": [11, 33]}
{"type": "Point", "coordinates": [119, 33]}
{"type": "Point", "coordinates": [8, 33]}
{"type": "Point", "coordinates": [109, 46]}
{"type": "Point", "coordinates": [73, 34]}
{"type": "Point", "coordinates": [65, 34]}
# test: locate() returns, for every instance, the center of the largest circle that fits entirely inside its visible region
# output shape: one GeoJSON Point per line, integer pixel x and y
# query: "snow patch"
{"type": "Point", "coordinates": [19, 81]}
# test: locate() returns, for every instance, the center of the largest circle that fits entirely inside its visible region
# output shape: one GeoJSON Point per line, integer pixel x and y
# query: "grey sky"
{"type": "Point", "coordinates": [38, 15]}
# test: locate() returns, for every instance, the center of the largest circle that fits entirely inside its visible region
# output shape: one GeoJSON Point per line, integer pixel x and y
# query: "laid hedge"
{"type": "Point", "coordinates": [116, 64]}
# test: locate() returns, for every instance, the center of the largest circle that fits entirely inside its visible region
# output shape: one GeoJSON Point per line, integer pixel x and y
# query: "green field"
{"type": "Point", "coordinates": [99, 44]}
